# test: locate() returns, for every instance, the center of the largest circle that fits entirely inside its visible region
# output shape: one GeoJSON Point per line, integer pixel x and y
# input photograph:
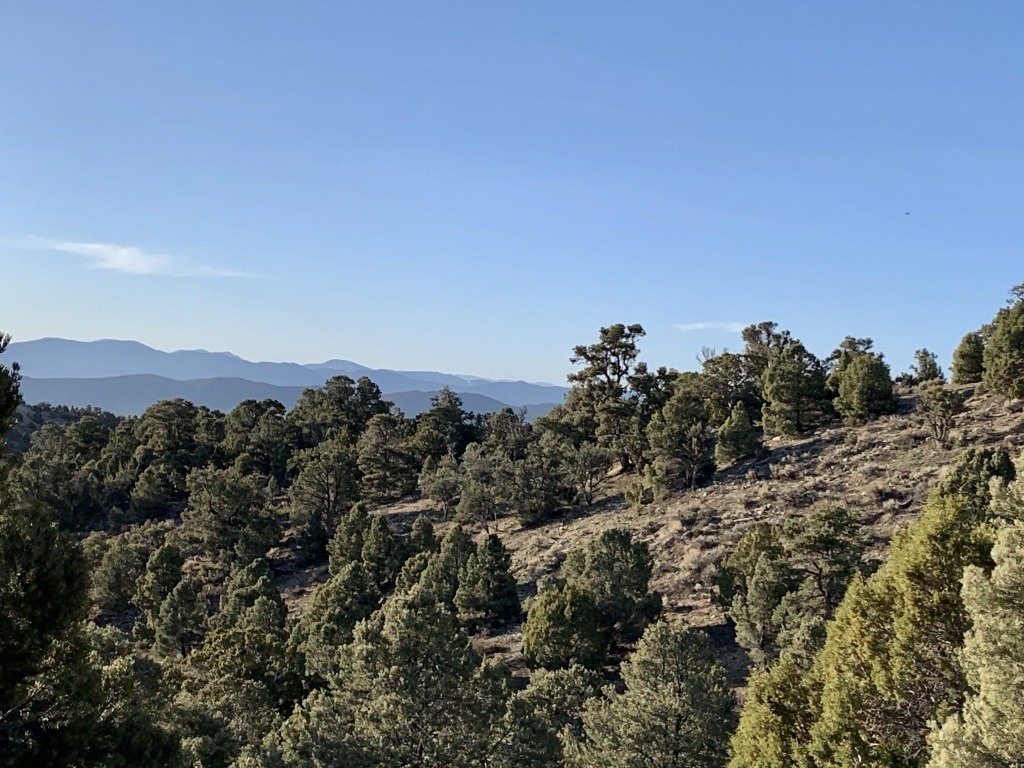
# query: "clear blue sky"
{"type": "Point", "coordinates": [475, 187]}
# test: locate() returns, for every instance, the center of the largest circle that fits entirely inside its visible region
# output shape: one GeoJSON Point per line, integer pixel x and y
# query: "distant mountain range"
{"type": "Point", "coordinates": [125, 377]}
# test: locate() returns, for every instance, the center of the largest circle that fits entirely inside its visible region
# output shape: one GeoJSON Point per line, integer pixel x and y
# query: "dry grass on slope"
{"type": "Point", "coordinates": [881, 471]}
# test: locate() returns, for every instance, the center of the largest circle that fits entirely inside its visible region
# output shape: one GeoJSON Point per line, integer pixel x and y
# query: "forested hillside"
{"type": "Point", "coordinates": [779, 560]}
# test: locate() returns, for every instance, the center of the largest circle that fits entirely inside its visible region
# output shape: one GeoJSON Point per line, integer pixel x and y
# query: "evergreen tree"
{"type": "Point", "coordinates": [969, 359]}
{"type": "Point", "coordinates": [441, 482]}
{"type": "Point", "coordinates": [346, 545]}
{"type": "Point", "coordinates": [542, 716]}
{"type": "Point", "coordinates": [444, 429]}
{"type": "Point", "coordinates": [676, 712]}
{"type": "Point", "coordinates": [382, 554]}
{"type": "Point", "coordinates": [410, 692]}
{"type": "Point", "coordinates": [890, 665]}
{"type": "Point", "coordinates": [990, 729]}
{"type": "Point", "coordinates": [775, 721]}
{"type": "Point", "coordinates": [385, 458]}
{"type": "Point", "coordinates": [421, 537]}
{"type": "Point", "coordinates": [939, 408]}
{"type": "Point", "coordinates": [227, 516]}
{"type": "Point", "coordinates": [10, 388]}
{"type": "Point", "coordinates": [440, 576]}
{"type": "Point", "coordinates": [327, 622]}
{"type": "Point", "coordinates": [1003, 359]}
{"type": "Point", "coordinates": [794, 392]}
{"type": "Point", "coordinates": [864, 389]}
{"type": "Point", "coordinates": [43, 600]}
{"type": "Point", "coordinates": [587, 467]}
{"type": "Point", "coordinates": [113, 581]}
{"type": "Point", "coordinates": [162, 575]}
{"type": "Point", "coordinates": [616, 571]}
{"type": "Point", "coordinates": [181, 622]}
{"type": "Point", "coordinates": [563, 627]}
{"type": "Point", "coordinates": [682, 442]}
{"type": "Point", "coordinates": [926, 369]}
{"type": "Point", "coordinates": [737, 438]}
{"type": "Point", "coordinates": [326, 485]}
{"type": "Point", "coordinates": [487, 589]}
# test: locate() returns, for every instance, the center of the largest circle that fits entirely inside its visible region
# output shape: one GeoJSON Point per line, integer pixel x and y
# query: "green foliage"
{"type": "Point", "coordinates": [386, 460]}
{"type": "Point", "coordinates": [410, 691]}
{"type": "Point", "coordinates": [926, 369]}
{"type": "Point", "coordinates": [727, 383]}
{"type": "Point", "coordinates": [990, 729]}
{"type": "Point", "coordinates": [737, 438]}
{"type": "Point", "coordinates": [441, 482]}
{"type": "Point", "coordinates": [440, 577]}
{"type": "Point", "coordinates": [782, 583]}
{"type": "Point", "coordinates": [259, 432]}
{"type": "Point", "coordinates": [445, 429]}
{"type": "Point", "coordinates": [382, 554]}
{"type": "Point", "coordinates": [328, 620]}
{"type": "Point", "coordinates": [939, 407]}
{"type": "Point", "coordinates": [864, 388]}
{"type": "Point", "coordinates": [487, 589]}
{"type": "Point", "coordinates": [587, 467]}
{"type": "Point", "coordinates": [563, 627]}
{"type": "Point", "coordinates": [181, 623]}
{"type": "Point", "coordinates": [113, 581]}
{"type": "Point", "coordinates": [10, 388]}
{"type": "Point", "coordinates": [43, 596]}
{"type": "Point", "coordinates": [346, 545]}
{"type": "Point", "coordinates": [776, 719]}
{"type": "Point", "coordinates": [227, 516]}
{"type": "Point", "coordinates": [682, 442]}
{"type": "Point", "coordinates": [972, 475]}
{"type": "Point", "coordinates": [969, 359]}
{"type": "Point", "coordinates": [794, 392]}
{"type": "Point", "coordinates": [162, 575]}
{"type": "Point", "coordinates": [342, 407]}
{"type": "Point", "coordinates": [421, 536]}
{"type": "Point", "coordinates": [540, 717]}
{"type": "Point", "coordinates": [1003, 358]}
{"type": "Point", "coordinates": [676, 712]}
{"type": "Point", "coordinates": [890, 666]}
{"type": "Point", "coordinates": [616, 571]}
{"type": "Point", "coordinates": [327, 484]}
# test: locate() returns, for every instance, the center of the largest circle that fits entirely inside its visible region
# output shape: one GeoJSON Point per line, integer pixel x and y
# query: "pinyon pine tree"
{"type": "Point", "coordinates": [676, 712]}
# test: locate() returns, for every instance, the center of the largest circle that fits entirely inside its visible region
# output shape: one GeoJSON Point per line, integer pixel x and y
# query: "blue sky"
{"type": "Point", "coordinates": [477, 187]}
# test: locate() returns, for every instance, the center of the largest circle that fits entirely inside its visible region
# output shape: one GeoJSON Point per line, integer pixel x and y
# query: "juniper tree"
{"type": "Point", "coordinates": [181, 622]}
{"type": "Point", "coordinates": [440, 577]}
{"type": "Point", "coordinates": [346, 545]}
{"type": "Point", "coordinates": [969, 359]}
{"type": "Point", "coordinates": [410, 691]}
{"type": "Point", "coordinates": [441, 482]}
{"type": "Point", "coordinates": [327, 622]}
{"type": "Point", "coordinates": [487, 589]}
{"type": "Point", "coordinates": [616, 572]}
{"type": "Point", "coordinates": [926, 368]}
{"type": "Point", "coordinates": [737, 438]}
{"type": "Point", "coordinates": [386, 461]}
{"type": "Point", "coordinates": [990, 729]}
{"type": "Point", "coordinates": [563, 627]}
{"type": "Point", "coordinates": [794, 392]}
{"type": "Point", "coordinates": [939, 407]}
{"type": "Point", "coordinates": [1003, 359]}
{"type": "Point", "coordinates": [587, 467]}
{"type": "Point", "coordinates": [162, 574]}
{"type": "Point", "coordinates": [382, 554]}
{"type": "Point", "coordinates": [865, 389]}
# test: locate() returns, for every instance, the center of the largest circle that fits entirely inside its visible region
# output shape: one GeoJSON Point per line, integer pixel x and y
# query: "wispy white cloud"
{"type": "Point", "coordinates": [711, 325]}
{"type": "Point", "coordinates": [129, 259]}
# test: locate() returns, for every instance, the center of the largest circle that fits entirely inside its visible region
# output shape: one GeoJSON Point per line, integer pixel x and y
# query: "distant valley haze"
{"type": "Point", "coordinates": [125, 377]}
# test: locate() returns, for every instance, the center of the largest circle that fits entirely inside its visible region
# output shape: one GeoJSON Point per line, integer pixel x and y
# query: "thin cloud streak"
{"type": "Point", "coordinates": [711, 325]}
{"type": "Point", "coordinates": [131, 260]}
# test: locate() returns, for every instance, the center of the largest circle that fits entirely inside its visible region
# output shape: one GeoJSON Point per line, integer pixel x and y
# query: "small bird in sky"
{"type": "Point", "coordinates": [907, 213]}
